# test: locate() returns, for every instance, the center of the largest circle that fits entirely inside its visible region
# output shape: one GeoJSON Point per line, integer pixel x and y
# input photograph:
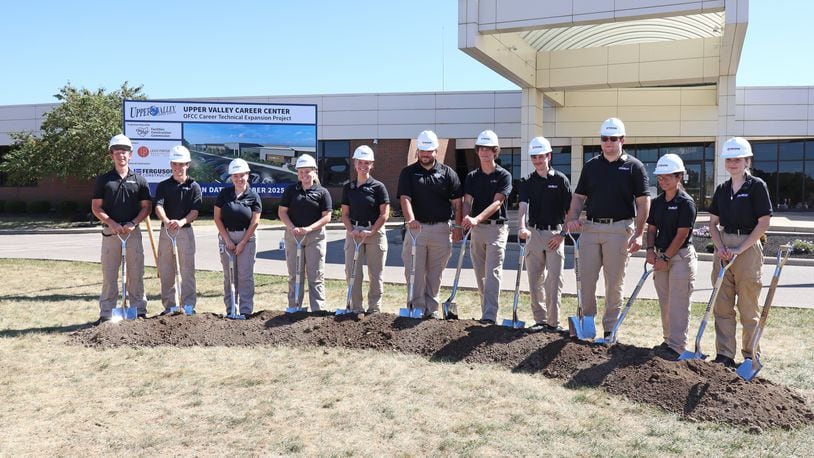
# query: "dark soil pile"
{"type": "Point", "coordinates": [696, 390]}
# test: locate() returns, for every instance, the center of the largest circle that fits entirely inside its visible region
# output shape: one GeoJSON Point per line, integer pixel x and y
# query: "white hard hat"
{"type": "Point", "coordinates": [305, 160]}
{"type": "Point", "coordinates": [364, 153]}
{"type": "Point", "coordinates": [179, 153]}
{"type": "Point", "coordinates": [487, 138]}
{"type": "Point", "coordinates": [238, 166]}
{"type": "Point", "coordinates": [669, 163]}
{"type": "Point", "coordinates": [736, 147]}
{"type": "Point", "coordinates": [427, 141]}
{"type": "Point", "coordinates": [120, 140]}
{"type": "Point", "coordinates": [612, 127]}
{"type": "Point", "coordinates": [539, 145]}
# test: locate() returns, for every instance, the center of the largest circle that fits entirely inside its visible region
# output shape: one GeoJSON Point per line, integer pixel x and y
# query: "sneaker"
{"type": "Point", "coordinates": [371, 311]}
{"type": "Point", "coordinates": [102, 319]}
{"type": "Point", "coordinates": [559, 329]}
{"type": "Point", "coordinates": [537, 327]}
{"type": "Point", "coordinates": [664, 351]}
{"type": "Point", "coordinates": [608, 334]}
{"type": "Point", "coordinates": [725, 360]}
{"type": "Point", "coordinates": [486, 321]}
{"type": "Point", "coordinates": [433, 315]}
{"type": "Point", "coordinates": [165, 313]}
{"type": "Point", "coordinates": [143, 316]}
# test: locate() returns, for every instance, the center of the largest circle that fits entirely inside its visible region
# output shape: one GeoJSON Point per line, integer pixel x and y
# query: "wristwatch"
{"type": "Point", "coordinates": [563, 233]}
{"type": "Point", "coordinates": [664, 257]}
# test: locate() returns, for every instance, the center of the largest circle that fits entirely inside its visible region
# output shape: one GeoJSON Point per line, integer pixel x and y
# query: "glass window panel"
{"type": "Point", "coordinates": [790, 185]}
{"type": "Point", "coordinates": [334, 162]}
{"type": "Point", "coordinates": [791, 151]}
{"type": "Point", "coordinates": [647, 153]}
{"type": "Point", "coordinates": [709, 151]}
{"type": "Point", "coordinates": [808, 190]}
{"type": "Point", "coordinates": [764, 150]}
{"type": "Point", "coordinates": [764, 166]}
{"type": "Point", "coordinates": [687, 152]}
{"type": "Point", "coordinates": [810, 149]}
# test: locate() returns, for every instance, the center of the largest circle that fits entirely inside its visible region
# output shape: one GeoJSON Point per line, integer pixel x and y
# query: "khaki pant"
{"type": "Point", "coordinates": [434, 247]}
{"type": "Point", "coordinates": [374, 250]}
{"type": "Point", "coordinates": [312, 268]}
{"type": "Point", "coordinates": [742, 283]}
{"type": "Point", "coordinates": [244, 275]}
{"type": "Point", "coordinates": [488, 249]}
{"type": "Point", "coordinates": [544, 267]}
{"type": "Point", "coordinates": [604, 246]}
{"type": "Point", "coordinates": [111, 266]}
{"type": "Point", "coordinates": [166, 268]}
{"type": "Point", "coordinates": [674, 288]}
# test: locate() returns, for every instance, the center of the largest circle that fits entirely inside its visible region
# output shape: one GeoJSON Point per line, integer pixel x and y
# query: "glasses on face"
{"type": "Point", "coordinates": [609, 139]}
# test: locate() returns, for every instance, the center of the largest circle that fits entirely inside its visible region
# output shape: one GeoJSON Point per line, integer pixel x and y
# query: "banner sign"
{"type": "Point", "coordinates": [268, 136]}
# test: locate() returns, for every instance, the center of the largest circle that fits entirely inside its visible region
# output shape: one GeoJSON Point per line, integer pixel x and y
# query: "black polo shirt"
{"type": "Point", "coordinates": [668, 217]}
{"type": "Point", "coordinates": [364, 201]}
{"type": "Point", "coordinates": [548, 197]}
{"type": "Point", "coordinates": [612, 187]}
{"type": "Point", "coordinates": [236, 213]}
{"type": "Point", "coordinates": [121, 197]}
{"type": "Point", "coordinates": [305, 206]}
{"type": "Point", "coordinates": [741, 210]}
{"type": "Point", "coordinates": [430, 191]}
{"type": "Point", "coordinates": [178, 199]}
{"type": "Point", "coordinates": [483, 187]}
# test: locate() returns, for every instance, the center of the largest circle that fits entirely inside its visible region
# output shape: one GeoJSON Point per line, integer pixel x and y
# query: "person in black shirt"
{"type": "Point", "coordinates": [121, 200]}
{"type": "Point", "coordinates": [486, 190]}
{"type": "Point", "coordinates": [740, 214]}
{"type": "Point", "coordinates": [237, 215]}
{"type": "Point", "coordinates": [613, 189]}
{"type": "Point", "coordinates": [365, 209]}
{"type": "Point", "coordinates": [670, 250]}
{"type": "Point", "coordinates": [177, 203]}
{"type": "Point", "coordinates": [305, 209]}
{"type": "Point", "coordinates": [544, 197]}
{"type": "Point", "coordinates": [429, 193]}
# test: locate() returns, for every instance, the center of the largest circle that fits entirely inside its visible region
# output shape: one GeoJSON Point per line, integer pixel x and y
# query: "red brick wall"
{"type": "Point", "coordinates": [52, 190]}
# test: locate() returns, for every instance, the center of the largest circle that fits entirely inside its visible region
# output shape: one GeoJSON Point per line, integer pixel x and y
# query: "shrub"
{"type": "Point", "coordinates": [2, 206]}
{"type": "Point", "coordinates": [15, 206]}
{"type": "Point", "coordinates": [207, 207]}
{"type": "Point", "coordinates": [802, 246]}
{"type": "Point", "coordinates": [710, 247]}
{"type": "Point", "coordinates": [38, 206]}
{"type": "Point", "coordinates": [67, 208]}
{"type": "Point", "coordinates": [336, 214]}
{"type": "Point", "coordinates": [702, 232]}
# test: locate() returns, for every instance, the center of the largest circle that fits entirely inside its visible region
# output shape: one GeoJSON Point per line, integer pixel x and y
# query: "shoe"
{"type": "Point", "coordinates": [431, 315]}
{"type": "Point", "coordinates": [486, 321]}
{"type": "Point", "coordinates": [101, 320]}
{"type": "Point", "coordinates": [371, 312]}
{"type": "Point", "coordinates": [725, 360]}
{"type": "Point", "coordinates": [143, 316]}
{"type": "Point", "coordinates": [548, 328]}
{"type": "Point", "coordinates": [165, 313]}
{"type": "Point", "coordinates": [537, 327]}
{"type": "Point", "coordinates": [664, 351]}
{"type": "Point", "coordinates": [608, 334]}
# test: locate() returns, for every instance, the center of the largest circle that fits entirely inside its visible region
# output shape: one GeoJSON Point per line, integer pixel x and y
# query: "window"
{"type": "Point", "coordinates": [561, 160]}
{"type": "Point", "coordinates": [509, 159]}
{"type": "Point", "coordinates": [787, 168]}
{"type": "Point", "coordinates": [334, 162]}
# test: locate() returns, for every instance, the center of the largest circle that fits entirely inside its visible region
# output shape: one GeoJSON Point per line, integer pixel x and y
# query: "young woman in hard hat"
{"type": "Point", "coordinates": [670, 251]}
{"type": "Point", "coordinates": [740, 214]}
{"type": "Point", "coordinates": [365, 209]}
{"type": "Point", "coordinates": [237, 215]}
{"type": "Point", "coordinates": [305, 209]}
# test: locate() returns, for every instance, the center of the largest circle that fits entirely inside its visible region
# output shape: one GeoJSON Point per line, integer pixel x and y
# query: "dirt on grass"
{"type": "Point", "coordinates": [696, 390]}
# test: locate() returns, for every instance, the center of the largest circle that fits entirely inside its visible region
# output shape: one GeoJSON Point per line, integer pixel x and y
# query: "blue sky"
{"type": "Point", "coordinates": [208, 48]}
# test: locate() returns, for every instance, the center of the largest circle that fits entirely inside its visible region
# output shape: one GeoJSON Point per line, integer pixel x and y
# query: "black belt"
{"type": "Point", "coordinates": [236, 230]}
{"type": "Point", "coordinates": [734, 230]}
{"type": "Point", "coordinates": [547, 227]}
{"type": "Point", "coordinates": [446, 221]}
{"type": "Point", "coordinates": [606, 220]}
{"type": "Point", "coordinates": [361, 223]}
{"type": "Point", "coordinates": [498, 222]}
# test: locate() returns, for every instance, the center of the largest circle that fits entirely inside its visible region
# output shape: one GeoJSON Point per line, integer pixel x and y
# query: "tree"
{"type": "Point", "coordinates": [74, 136]}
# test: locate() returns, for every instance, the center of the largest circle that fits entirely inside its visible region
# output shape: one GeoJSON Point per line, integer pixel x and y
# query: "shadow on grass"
{"type": "Point", "coordinates": [45, 330]}
{"type": "Point", "coordinates": [53, 297]}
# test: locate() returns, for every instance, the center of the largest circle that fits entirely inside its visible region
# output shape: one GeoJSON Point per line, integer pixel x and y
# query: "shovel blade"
{"type": "Point", "coordinates": [749, 369]}
{"type": "Point", "coordinates": [120, 313]}
{"type": "Point", "coordinates": [235, 316]}
{"type": "Point", "coordinates": [411, 313]}
{"type": "Point", "coordinates": [450, 311]}
{"type": "Point", "coordinates": [582, 329]}
{"type": "Point", "coordinates": [345, 312]}
{"type": "Point", "coordinates": [513, 324]}
{"type": "Point", "coordinates": [295, 310]}
{"type": "Point", "coordinates": [189, 310]}
{"type": "Point", "coordinates": [691, 355]}
{"type": "Point", "coordinates": [609, 341]}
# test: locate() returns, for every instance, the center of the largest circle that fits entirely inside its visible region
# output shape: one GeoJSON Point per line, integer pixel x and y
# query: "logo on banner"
{"type": "Point", "coordinates": [142, 131]}
{"type": "Point", "coordinates": [152, 110]}
{"type": "Point", "coordinates": [143, 151]}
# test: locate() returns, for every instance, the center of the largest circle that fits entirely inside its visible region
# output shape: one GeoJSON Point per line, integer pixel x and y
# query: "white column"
{"type": "Point", "coordinates": [531, 124]}
{"type": "Point", "coordinates": [728, 125]}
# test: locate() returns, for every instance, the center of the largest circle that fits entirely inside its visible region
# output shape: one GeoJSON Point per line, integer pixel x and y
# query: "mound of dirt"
{"type": "Point", "coordinates": [696, 390]}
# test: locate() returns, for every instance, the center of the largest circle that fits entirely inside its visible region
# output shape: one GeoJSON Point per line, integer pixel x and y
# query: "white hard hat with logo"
{"type": "Point", "coordinates": [736, 147]}
{"type": "Point", "coordinates": [179, 153]}
{"type": "Point", "coordinates": [487, 138]}
{"type": "Point", "coordinates": [364, 153]}
{"type": "Point", "coordinates": [427, 141]}
{"type": "Point", "coordinates": [238, 166]}
{"type": "Point", "coordinates": [539, 145]}
{"type": "Point", "coordinates": [669, 163]}
{"type": "Point", "coordinates": [306, 160]}
{"type": "Point", "coordinates": [612, 127]}
{"type": "Point", "coordinates": [120, 140]}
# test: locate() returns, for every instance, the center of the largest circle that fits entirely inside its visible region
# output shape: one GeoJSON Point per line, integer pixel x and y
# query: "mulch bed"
{"type": "Point", "coordinates": [769, 248]}
{"type": "Point", "coordinates": [696, 390]}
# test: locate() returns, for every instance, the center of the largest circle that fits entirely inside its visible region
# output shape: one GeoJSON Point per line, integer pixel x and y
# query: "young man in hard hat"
{"type": "Point", "coordinates": [485, 191]}
{"type": "Point", "coordinates": [305, 209]}
{"type": "Point", "coordinates": [743, 210]}
{"type": "Point", "coordinates": [177, 203]}
{"type": "Point", "coordinates": [430, 195]}
{"type": "Point", "coordinates": [545, 196]}
{"type": "Point", "coordinates": [670, 250]}
{"type": "Point", "coordinates": [121, 200]}
{"type": "Point", "coordinates": [365, 209]}
{"type": "Point", "coordinates": [614, 184]}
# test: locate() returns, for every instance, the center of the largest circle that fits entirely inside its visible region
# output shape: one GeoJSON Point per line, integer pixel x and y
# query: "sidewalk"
{"type": "Point", "coordinates": [796, 287]}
